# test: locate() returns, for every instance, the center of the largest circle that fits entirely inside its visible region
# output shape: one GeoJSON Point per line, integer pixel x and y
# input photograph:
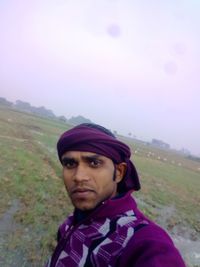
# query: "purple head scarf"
{"type": "Point", "coordinates": [92, 139]}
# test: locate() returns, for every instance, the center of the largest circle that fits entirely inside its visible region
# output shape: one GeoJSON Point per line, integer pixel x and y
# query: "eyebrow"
{"type": "Point", "coordinates": [65, 160]}
{"type": "Point", "coordinates": [91, 158]}
{"type": "Point", "coordinates": [85, 158]}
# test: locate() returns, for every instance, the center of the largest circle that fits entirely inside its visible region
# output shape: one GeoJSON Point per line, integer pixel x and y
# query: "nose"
{"type": "Point", "coordinates": [81, 174]}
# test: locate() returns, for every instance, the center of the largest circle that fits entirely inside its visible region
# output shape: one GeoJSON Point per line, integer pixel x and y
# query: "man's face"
{"type": "Point", "coordinates": [88, 178]}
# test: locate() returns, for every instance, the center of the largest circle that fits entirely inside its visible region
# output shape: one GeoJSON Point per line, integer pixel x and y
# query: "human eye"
{"type": "Point", "coordinates": [69, 163]}
{"type": "Point", "coordinates": [94, 163]}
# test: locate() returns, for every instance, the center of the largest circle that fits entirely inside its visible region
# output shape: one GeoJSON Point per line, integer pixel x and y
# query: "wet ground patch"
{"type": "Point", "coordinates": [186, 239]}
{"type": "Point", "coordinates": [10, 255]}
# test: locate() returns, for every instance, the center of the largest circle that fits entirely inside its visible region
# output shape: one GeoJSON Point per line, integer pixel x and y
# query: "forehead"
{"type": "Point", "coordinates": [82, 154]}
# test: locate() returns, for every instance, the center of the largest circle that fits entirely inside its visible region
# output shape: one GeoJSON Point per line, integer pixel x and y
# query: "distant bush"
{"type": "Point", "coordinates": [195, 158]}
{"type": "Point", "coordinates": [78, 120]}
{"type": "Point", "coordinates": [5, 102]}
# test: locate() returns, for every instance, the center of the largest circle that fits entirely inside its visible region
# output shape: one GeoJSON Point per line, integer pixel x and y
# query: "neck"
{"type": "Point", "coordinates": [79, 215]}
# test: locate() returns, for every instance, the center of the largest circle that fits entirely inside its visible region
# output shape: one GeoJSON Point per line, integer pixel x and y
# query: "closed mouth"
{"type": "Point", "coordinates": [82, 190]}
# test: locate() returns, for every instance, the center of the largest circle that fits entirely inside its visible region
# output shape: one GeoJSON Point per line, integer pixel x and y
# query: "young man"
{"type": "Point", "coordinates": [106, 228]}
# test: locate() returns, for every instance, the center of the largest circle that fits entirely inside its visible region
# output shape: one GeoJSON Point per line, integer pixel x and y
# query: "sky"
{"type": "Point", "coordinates": [129, 65]}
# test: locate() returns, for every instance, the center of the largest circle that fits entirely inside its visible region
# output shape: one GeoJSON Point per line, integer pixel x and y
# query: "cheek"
{"type": "Point", "coordinates": [104, 182]}
{"type": "Point", "coordinates": [67, 182]}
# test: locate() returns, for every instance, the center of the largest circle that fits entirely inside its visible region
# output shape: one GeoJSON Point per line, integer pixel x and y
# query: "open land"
{"type": "Point", "coordinates": [34, 201]}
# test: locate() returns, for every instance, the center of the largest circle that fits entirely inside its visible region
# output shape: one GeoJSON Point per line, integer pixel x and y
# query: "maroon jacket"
{"type": "Point", "coordinates": [114, 234]}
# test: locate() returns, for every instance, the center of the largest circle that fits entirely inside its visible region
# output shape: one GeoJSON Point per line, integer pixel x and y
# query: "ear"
{"type": "Point", "coordinates": [120, 171]}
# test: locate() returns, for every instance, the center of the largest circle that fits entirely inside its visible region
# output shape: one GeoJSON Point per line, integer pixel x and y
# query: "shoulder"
{"type": "Point", "coordinates": [151, 246]}
{"type": "Point", "coordinates": [152, 232]}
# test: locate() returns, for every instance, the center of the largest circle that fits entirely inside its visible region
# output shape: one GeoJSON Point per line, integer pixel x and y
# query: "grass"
{"type": "Point", "coordinates": [31, 174]}
{"type": "Point", "coordinates": [170, 185]}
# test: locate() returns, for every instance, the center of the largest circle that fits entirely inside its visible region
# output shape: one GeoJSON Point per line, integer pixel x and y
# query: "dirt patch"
{"type": "Point", "coordinates": [13, 138]}
{"type": "Point", "coordinates": [9, 256]}
{"type": "Point", "coordinates": [190, 249]}
{"type": "Point", "coordinates": [36, 132]}
{"type": "Point", "coordinates": [6, 222]}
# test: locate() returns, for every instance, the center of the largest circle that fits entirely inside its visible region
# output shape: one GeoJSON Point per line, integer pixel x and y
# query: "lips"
{"type": "Point", "coordinates": [81, 192]}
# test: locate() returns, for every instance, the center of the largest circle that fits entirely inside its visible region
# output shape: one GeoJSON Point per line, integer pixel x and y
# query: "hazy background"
{"type": "Point", "coordinates": [132, 66]}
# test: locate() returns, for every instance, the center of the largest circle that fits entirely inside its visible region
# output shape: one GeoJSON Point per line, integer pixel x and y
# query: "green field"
{"type": "Point", "coordinates": [34, 199]}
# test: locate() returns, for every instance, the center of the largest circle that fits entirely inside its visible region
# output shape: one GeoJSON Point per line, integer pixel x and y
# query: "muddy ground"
{"type": "Point", "coordinates": [186, 240]}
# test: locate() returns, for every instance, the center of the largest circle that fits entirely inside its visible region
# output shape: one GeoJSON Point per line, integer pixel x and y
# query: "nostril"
{"type": "Point", "coordinates": [80, 174]}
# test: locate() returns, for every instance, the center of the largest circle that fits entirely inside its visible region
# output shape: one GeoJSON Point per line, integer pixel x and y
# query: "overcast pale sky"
{"type": "Point", "coordinates": [130, 65]}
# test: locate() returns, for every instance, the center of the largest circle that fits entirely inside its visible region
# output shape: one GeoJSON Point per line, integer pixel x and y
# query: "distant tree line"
{"type": "Point", "coordinates": [42, 111]}
{"type": "Point", "coordinates": [78, 120]}
{"type": "Point", "coordinates": [5, 102]}
{"type": "Point", "coordinates": [195, 158]}
{"type": "Point", "coordinates": [160, 143]}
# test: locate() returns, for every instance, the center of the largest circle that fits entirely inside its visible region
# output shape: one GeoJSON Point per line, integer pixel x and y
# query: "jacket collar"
{"type": "Point", "coordinates": [107, 208]}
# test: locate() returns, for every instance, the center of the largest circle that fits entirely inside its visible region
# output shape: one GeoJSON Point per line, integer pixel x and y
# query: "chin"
{"type": "Point", "coordinates": [84, 207]}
